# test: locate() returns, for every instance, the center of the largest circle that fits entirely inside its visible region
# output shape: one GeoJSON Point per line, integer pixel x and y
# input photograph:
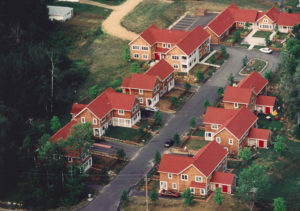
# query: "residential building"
{"type": "Point", "coordinates": [249, 93]}
{"type": "Point", "coordinates": [234, 17]}
{"type": "Point", "coordinates": [181, 49]}
{"type": "Point", "coordinates": [60, 13]}
{"type": "Point", "coordinates": [109, 108]}
{"type": "Point", "coordinates": [150, 86]}
{"type": "Point", "coordinates": [76, 157]}
{"type": "Point", "coordinates": [231, 128]}
{"type": "Point", "coordinates": [202, 173]}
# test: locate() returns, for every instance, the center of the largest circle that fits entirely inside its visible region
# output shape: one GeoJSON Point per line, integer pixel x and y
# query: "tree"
{"type": "Point", "coordinates": [206, 104]}
{"type": "Point", "coordinates": [157, 118]}
{"type": "Point", "coordinates": [174, 101]}
{"type": "Point", "coordinates": [124, 197]}
{"type": "Point", "coordinates": [94, 91]}
{"type": "Point", "coordinates": [218, 196]}
{"type": "Point", "coordinates": [213, 59]}
{"type": "Point", "coordinates": [224, 51]}
{"type": "Point", "coordinates": [153, 195]}
{"type": "Point", "coordinates": [276, 28]}
{"type": "Point", "coordinates": [245, 155]}
{"type": "Point", "coordinates": [279, 204]}
{"type": "Point", "coordinates": [134, 67]}
{"type": "Point", "coordinates": [103, 176]}
{"type": "Point", "coordinates": [121, 154]}
{"type": "Point", "coordinates": [193, 122]}
{"type": "Point", "coordinates": [293, 3]}
{"type": "Point", "coordinates": [268, 75]}
{"type": "Point", "coordinates": [245, 61]}
{"type": "Point", "coordinates": [237, 36]}
{"type": "Point", "coordinates": [157, 158]}
{"type": "Point", "coordinates": [220, 92]}
{"type": "Point", "coordinates": [230, 79]}
{"type": "Point", "coordinates": [252, 177]}
{"type": "Point", "coordinates": [126, 53]}
{"type": "Point", "coordinates": [267, 40]}
{"type": "Point", "coordinates": [247, 25]}
{"type": "Point", "coordinates": [187, 86]}
{"type": "Point", "coordinates": [296, 131]}
{"type": "Point", "coordinates": [199, 76]}
{"type": "Point", "coordinates": [187, 197]}
{"type": "Point", "coordinates": [279, 145]}
{"type": "Point", "coordinates": [141, 130]}
{"type": "Point", "coordinates": [55, 124]}
{"type": "Point", "coordinates": [176, 139]}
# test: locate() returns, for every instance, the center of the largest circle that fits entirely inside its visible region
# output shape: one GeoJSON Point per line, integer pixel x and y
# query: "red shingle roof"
{"type": "Point", "coordinates": [206, 160]}
{"type": "Point", "coordinates": [110, 99]}
{"type": "Point", "coordinates": [218, 115]}
{"type": "Point", "coordinates": [265, 100]}
{"type": "Point", "coordinates": [222, 178]}
{"type": "Point", "coordinates": [254, 80]}
{"type": "Point", "coordinates": [76, 108]}
{"type": "Point", "coordinates": [197, 184]}
{"type": "Point", "coordinates": [257, 133]}
{"type": "Point", "coordinates": [140, 81]}
{"type": "Point", "coordinates": [64, 131]}
{"type": "Point", "coordinates": [238, 95]}
{"type": "Point", "coordinates": [288, 19]}
{"type": "Point", "coordinates": [162, 69]}
{"type": "Point", "coordinates": [273, 13]}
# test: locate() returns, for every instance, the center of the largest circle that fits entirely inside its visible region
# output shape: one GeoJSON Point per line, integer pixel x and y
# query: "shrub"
{"type": "Point", "coordinates": [187, 86]}
{"type": "Point", "coordinates": [237, 36]}
{"type": "Point", "coordinates": [199, 76]}
{"type": "Point", "coordinates": [193, 122]}
{"type": "Point", "coordinates": [174, 101]}
{"type": "Point", "coordinates": [176, 139]}
{"type": "Point", "coordinates": [224, 51]}
{"type": "Point", "coordinates": [296, 131]}
{"type": "Point", "coordinates": [153, 195]}
{"type": "Point", "coordinates": [212, 59]}
{"type": "Point", "coordinates": [124, 197]}
{"type": "Point", "coordinates": [135, 67]}
{"type": "Point", "coordinates": [187, 196]}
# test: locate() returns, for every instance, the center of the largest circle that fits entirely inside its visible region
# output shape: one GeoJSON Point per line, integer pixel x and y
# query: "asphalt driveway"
{"type": "Point", "coordinates": [108, 198]}
{"type": "Point", "coordinates": [188, 22]}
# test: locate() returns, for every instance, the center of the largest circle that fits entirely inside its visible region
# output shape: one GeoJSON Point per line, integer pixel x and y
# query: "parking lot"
{"type": "Point", "coordinates": [188, 22]}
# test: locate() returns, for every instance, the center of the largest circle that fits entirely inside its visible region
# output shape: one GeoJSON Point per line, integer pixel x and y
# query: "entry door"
{"type": "Point", "coordinates": [163, 185]}
{"type": "Point", "coordinates": [156, 56]}
{"type": "Point", "coordinates": [268, 110]}
{"type": "Point", "coordinates": [261, 144]}
{"type": "Point", "coordinates": [224, 188]}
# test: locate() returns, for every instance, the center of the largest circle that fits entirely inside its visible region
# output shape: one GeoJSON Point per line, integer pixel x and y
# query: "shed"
{"type": "Point", "coordinates": [59, 13]}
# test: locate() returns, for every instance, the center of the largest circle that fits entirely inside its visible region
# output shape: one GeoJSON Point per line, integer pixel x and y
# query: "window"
{"type": "Point", "coordinates": [252, 100]}
{"type": "Point", "coordinates": [175, 57]}
{"type": "Point", "coordinates": [202, 191]}
{"type": "Point", "coordinates": [174, 185]}
{"type": "Point", "coordinates": [169, 45]}
{"type": "Point", "coordinates": [183, 57]}
{"type": "Point", "coordinates": [121, 112]}
{"type": "Point", "coordinates": [226, 148]}
{"type": "Point", "coordinates": [170, 175]}
{"type": "Point", "coordinates": [200, 47]}
{"type": "Point", "coordinates": [198, 178]}
{"type": "Point", "coordinates": [94, 121]}
{"type": "Point", "coordinates": [145, 48]}
{"type": "Point", "coordinates": [236, 105]}
{"type": "Point", "coordinates": [135, 47]}
{"type": "Point", "coordinates": [192, 190]}
{"type": "Point", "coordinates": [83, 156]}
{"type": "Point", "coordinates": [70, 159]}
{"type": "Point", "coordinates": [184, 177]}
{"type": "Point", "coordinates": [218, 139]}
{"type": "Point", "coordinates": [175, 66]}
{"type": "Point", "coordinates": [128, 122]}
{"type": "Point", "coordinates": [230, 141]}
{"type": "Point", "coordinates": [145, 56]}
{"type": "Point", "coordinates": [164, 45]}
{"type": "Point", "coordinates": [83, 120]}
{"type": "Point", "coordinates": [136, 55]}
{"type": "Point", "coordinates": [103, 119]}
{"type": "Point", "coordinates": [215, 127]}
{"type": "Point", "coordinates": [141, 100]}
{"type": "Point", "coordinates": [140, 91]}
{"type": "Point", "coordinates": [265, 20]}
{"type": "Point", "coordinates": [208, 134]}
{"type": "Point", "coordinates": [184, 66]}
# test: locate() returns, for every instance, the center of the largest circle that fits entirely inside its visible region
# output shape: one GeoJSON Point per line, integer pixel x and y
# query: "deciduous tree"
{"type": "Point", "coordinates": [279, 204]}
{"type": "Point", "coordinates": [187, 197]}
{"type": "Point", "coordinates": [157, 158]}
{"type": "Point", "coordinates": [245, 155]}
{"type": "Point", "coordinates": [176, 139]}
{"type": "Point", "coordinates": [157, 118]}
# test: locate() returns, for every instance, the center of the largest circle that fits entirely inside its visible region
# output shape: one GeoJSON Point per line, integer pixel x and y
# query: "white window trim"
{"type": "Point", "coordinates": [145, 47]}
{"type": "Point", "coordinates": [70, 159]}
{"type": "Point", "coordinates": [199, 179]}
{"type": "Point", "coordinates": [230, 140]}
{"type": "Point", "coordinates": [94, 121]}
{"type": "Point", "coordinates": [174, 186]}
{"type": "Point", "coordinates": [141, 91]}
{"type": "Point", "coordinates": [164, 45]}
{"type": "Point", "coordinates": [121, 112]}
{"type": "Point", "coordinates": [170, 176]}
{"type": "Point", "coordinates": [202, 191]}
{"type": "Point", "coordinates": [218, 139]}
{"type": "Point", "coordinates": [265, 21]}
{"type": "Point", "coordinates": [169, 45]}
{"type": "Point", "coordinates": [175, 66]}
{"type": "Point", "coordinates": [83, 120]}
{"type": "Point", "coordinates": [192, 190]}
{"type": "Point", "coordinates": [136, 55]}
{"type": "Point", "coordinates": [236, 105]}
{"type": "Point", "coordinates": [214, 127]}
{"type": "Point", "coordinates": [145, 56]}
{"type": "Point", "coordinates": [103, 119]}
{"type": "Point", "coordinates": [138, 47]}
{"type": "Point", "coordinates": [187, 177]}
{"type": "Point", "coordinates": [141, 100]}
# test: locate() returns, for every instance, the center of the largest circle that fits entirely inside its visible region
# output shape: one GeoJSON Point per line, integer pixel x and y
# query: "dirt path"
{"type": "Point", "coordinates": [112, 24]}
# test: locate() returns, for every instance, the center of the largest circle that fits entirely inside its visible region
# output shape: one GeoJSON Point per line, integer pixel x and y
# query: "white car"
{"type": "Point", "coordinates": [265, 50]}
{"type": "Point", "coordinates": [151, 109]}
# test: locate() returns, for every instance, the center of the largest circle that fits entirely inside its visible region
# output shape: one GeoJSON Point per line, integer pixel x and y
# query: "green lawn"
{"type": "Point", "coordinates": [257, 4]}
{"type": "Point", "coordinates": [262, 34]}
{"type": "Point", "coordinates": [123, 133]}
{"type": "Point", "coordinates": [195, 144]}
{"type": "Point", "coordinates": [156, 12]}
{"type": "Point", "coordinates": [254, 65]}
{"type": "Point", "coordinates": [281, 36]}
{"type": "Point", "coordinates": [84, 9]}
{"type": "Point", "coordinates": [274, 125]}
{"type": "Point", "coordinates": [199, 133]}
{"type": "Point", "coordinates": [110, 2]}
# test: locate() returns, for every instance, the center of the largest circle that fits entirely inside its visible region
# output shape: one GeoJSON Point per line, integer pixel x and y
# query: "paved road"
{"type": "Point", "coordinates": [108, 198]}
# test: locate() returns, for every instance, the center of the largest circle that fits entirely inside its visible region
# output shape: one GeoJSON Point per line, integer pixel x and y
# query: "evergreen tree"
{"type": "Point", "coordinates": [187, 197]}
{"type": "Point", "coordinates": [199, 76]}
{"type": "Point", "coordinates": [135, 67]}
{"type": "Point", "coordinates": [176, 139]}
{"type": "Point", "coordinates": [218, 196]}
{"type": "Point", "coordinates": [193, 122]}
{"type": "Point", "coordinates": [206, 104]}
{"type": "Point", "coordinates": [157, 118]}
{"type": "Point", "coordinates": [279, 204]}
{"type": "Point", "coordinates": [55, 124]}
{"type": "Point", "coordinates": [187, 86]}
{"type": "Point", "coordinates": [126, 53]}
{"type": "Point", "coordinates": [121, 154]}
{"type": "Point", "coordinates": [154, 195]}
{"type": "Point", "coordinates": [103, 176]}
{"type": "Point", "coordinates": [245, 155]}
{"type": "Point", "coordinates": [223, 51]}
{"type": "Point", "coordinates": [230, 79]}
{"type": "Point", "coordinates": [124, 197]}
{"type": "Point", "coordinates": [174, 101]}
{"type": "Point", "coordinates": [157, 158]}
{"type": "Point", "coordinates": [94, 91]}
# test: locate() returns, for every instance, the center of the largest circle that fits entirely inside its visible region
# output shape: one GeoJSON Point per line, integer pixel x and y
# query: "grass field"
{"type": "Point", "coordinates": [123, 133]}
{"type": "Point", "coordinates": [262, 34]}
{"type": "Point", "coordinates": [110, 2]}
{"type": "Point", "coordinates": [195, 144]}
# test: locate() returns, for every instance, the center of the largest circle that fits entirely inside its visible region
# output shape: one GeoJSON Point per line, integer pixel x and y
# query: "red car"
{"type": "Point", "coordinates": [169, 193]}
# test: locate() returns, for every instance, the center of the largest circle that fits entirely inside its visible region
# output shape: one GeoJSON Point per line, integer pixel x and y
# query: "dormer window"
{"type": "Point", "coordinates": [121, 112]}
{"type": "Point", "coordinates": [236, 105]}
{"type": "Point", "coordinates": [170, 175]}
{"type": "Point", "coordinates": [141, 91]}
{"type": "Point", "coordinates": [215, 127]}
{"type": "Point", "coordinates": [164, 45]}
{"type": "Point", "coordinates": [169, 45]}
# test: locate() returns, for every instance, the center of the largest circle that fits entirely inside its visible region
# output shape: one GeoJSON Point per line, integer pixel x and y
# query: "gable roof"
{"type": "Point", "coordinates": [236, 122]}
{"type": "Point", "coordinates": [205, 160]}
{"type": "Point", "coordinates": [253, 80]}
{"type": "Point", "coordinates": [162, 69]}
{"type": "Point", "coordinates": [108, 100]}
{"type": "Point", "coordinates": [222, 178]}
{"type": "Point", "coordinates": [257, 133]}
{"type": "Point", "coordinates": [265, 100]}
{"type": "Point", "coordinates": [238, 95]}
{"type": "Point", "coordinates": [140, 81]}
{"type": "Point", "coordinates": [288, 19]}
{"type": "Point", "coordinates": [64, 131]}
{"type": "Point", "coordinates": [273, 13]}
{"type": "Point", "coordinates": [76, 108]}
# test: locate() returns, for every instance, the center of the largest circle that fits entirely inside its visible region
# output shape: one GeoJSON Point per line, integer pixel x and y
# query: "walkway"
{"type": "Point", "coordinates": [252, 41]}
{"type": "Point", "coordinates": [207, 57]}
{"type": "Point", "coordinates": [112, 24]}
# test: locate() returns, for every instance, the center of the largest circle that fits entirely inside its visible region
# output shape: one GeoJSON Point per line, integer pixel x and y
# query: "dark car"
{"type": "Point", "coordinates": [169, 193]}
{"type": "Point", "coordinates": [169, 143]}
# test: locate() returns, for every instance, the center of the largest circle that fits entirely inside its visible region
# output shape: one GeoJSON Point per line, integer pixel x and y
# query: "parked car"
{"type": "Point", "coordinates": [151, 109]}
{"type": "Point", "coordinates": [265, 50]}
{"type": "Point", "coordinates": [169, 193]}
{"type": "Point", "coordinates": [169, 143]}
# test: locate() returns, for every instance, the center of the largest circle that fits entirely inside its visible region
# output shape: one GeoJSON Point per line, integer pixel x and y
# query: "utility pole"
{"type": "Point", "coordinates": [147, 207]}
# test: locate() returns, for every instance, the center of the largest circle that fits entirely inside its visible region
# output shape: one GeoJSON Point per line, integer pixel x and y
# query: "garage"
{"type": "Point", "coordinates": [224, 188]}
{"type": "Point", "coordinates": [267, 110]}
{"type": "Point", "coordinates": [261, 143]}
{"type": "Point", "coordinates": [157, 56]}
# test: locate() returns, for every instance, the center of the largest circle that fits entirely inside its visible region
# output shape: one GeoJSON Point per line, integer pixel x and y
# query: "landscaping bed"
{"type": "Point", "coordinates": [254, 65]}
{"type": "Point", "coordinates": [206, 70]}
{"type": "Point", "coordinates": [217, 58]}
{"type": "Point", "coordinates": [262, 34]}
